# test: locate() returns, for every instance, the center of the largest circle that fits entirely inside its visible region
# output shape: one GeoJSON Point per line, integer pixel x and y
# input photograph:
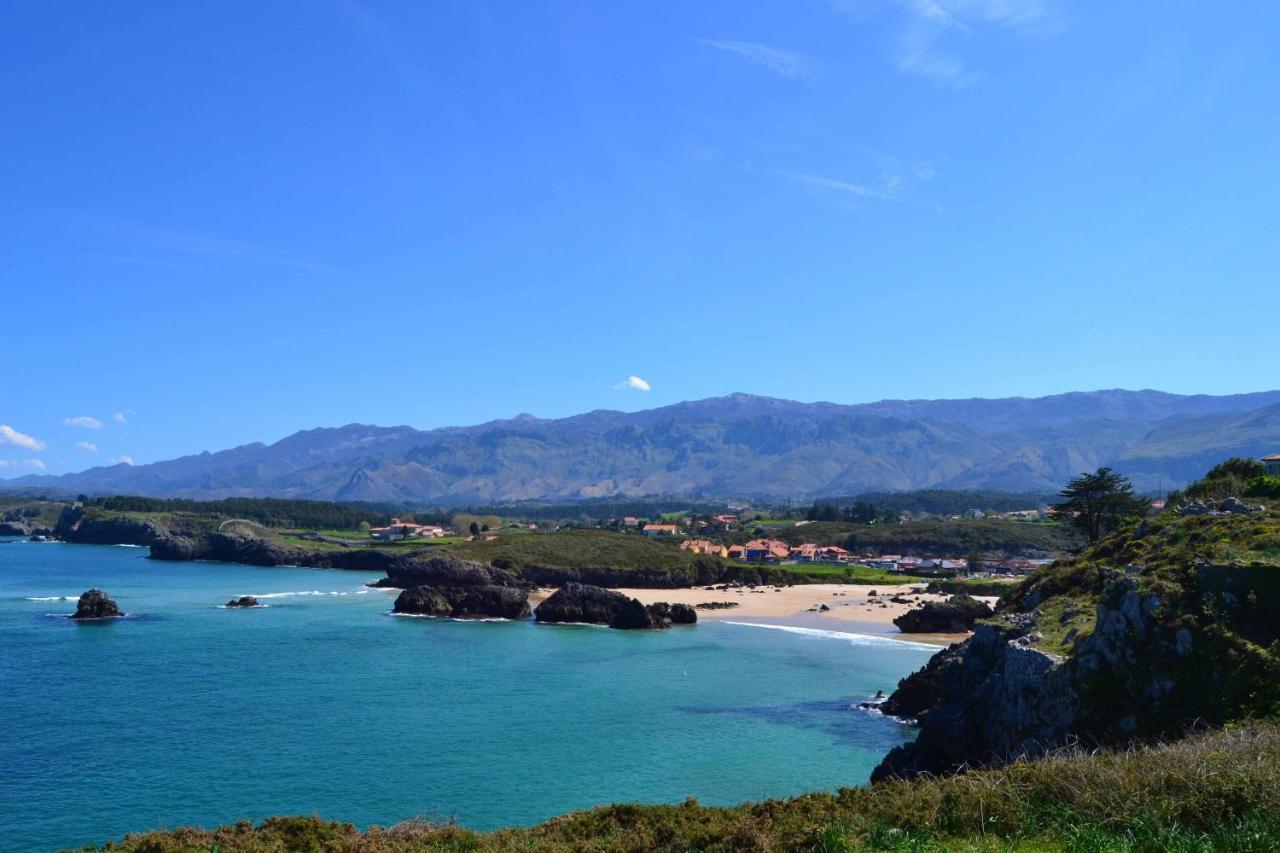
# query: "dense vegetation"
{"type": "Point", "coordinates": [944, 501]}
{"type": "Point", "coordinates": [1216, 791]}
{"type": "Point", "coordinates": [963, 536]}
{"type": "Point", "coordinates": [271, 512]}
{"type": "Point", "coordinates": [1100, 503]}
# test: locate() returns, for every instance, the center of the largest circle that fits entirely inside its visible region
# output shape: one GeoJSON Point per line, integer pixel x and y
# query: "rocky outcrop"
{"type": "Point", "coordinates": [997, 697]}
{"type": "Point", "coordinates": [1226, 506]}
{"type": "Point", "coordinates": [96, 604]}
{"type": "Point", "coordinates": [583, 603]}
{"type": "Point", "coordinates": [244, 601]}
{"type": "Point", "coordinates": [458, 589]}
{"type": "Point", "coordinates": [487, 601]}
{"type": "Point", "coordinates": [14, 528]}
{"type": "Point", "coordinates": [954, 616]}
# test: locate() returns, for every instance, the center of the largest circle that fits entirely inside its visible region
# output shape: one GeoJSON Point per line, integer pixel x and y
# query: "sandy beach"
{"type": "Point", "coordinates": [851, 609]}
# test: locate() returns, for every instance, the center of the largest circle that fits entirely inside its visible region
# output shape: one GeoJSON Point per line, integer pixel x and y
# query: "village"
{"type": "Point", "coordinates": [713, 535]}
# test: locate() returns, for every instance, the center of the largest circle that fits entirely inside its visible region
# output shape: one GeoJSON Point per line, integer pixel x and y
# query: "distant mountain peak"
{"type": "Point", "coordinates": [738, 445]}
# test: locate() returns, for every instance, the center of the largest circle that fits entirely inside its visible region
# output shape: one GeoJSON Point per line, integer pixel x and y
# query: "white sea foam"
{"type": "Point", "coordinates": [449, 618]}
{"type": "Point", "coordinates": [238, 607]}
{"type": "Point", "coordinates": [124, 545]}
{"type": "Point", "coordinates": [853, 639]}
{"type": "Point", "coordinates": [301, 592]}
{"type": "Point", "coordinates": [53, 598]}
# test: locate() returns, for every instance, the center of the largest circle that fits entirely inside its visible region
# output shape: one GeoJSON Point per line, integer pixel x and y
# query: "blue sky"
{"type": "Point", "coordinates": [224, 222]}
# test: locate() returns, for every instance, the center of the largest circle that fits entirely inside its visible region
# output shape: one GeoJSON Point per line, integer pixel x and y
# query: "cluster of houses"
{"type": "Point", "coordinates": [714, 524]}
{"type": "Point", "coordinates": [776, 551]}
{"type": "Point", "coordinates": [399, 530]}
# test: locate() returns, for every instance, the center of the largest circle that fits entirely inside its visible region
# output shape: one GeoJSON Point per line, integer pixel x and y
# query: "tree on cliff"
{"type": "Point", "coordinates": [1099, 503]}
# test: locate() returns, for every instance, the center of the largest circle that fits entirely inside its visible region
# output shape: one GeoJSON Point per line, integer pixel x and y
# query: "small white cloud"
{"type": "Point", "coordinates": [121, 460]}
{"type": "Point", "coordinates": [87, 446]}
{"type": "Point", "coordinates": [83, 421]}
{"type": "Point", "coordinates": [9, 435]}
{"type": "Point", "coordinates": [119, 418]}
{"type": "Point", "coordinates": [38, 464]}
{"type": "Point", "coordinates": [633, 383]}
{"type": "Point", "coordinates": [789, 64]}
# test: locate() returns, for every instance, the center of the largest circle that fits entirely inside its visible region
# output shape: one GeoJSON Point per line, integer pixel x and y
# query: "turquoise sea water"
{"type": "Point", "coordinates": [321, 703]}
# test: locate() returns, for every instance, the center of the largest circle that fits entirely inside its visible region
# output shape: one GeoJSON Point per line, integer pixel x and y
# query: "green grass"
{"type": "Point", "coordinates": [1214, 791]}
{"type": "Point", "coordinates": [581, 549]}
{"type": "Point", "coordinates": [848, 574]}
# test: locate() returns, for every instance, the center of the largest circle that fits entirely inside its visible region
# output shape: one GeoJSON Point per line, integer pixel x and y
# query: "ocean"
{"type": "Point", "coordinates": [186, 713]}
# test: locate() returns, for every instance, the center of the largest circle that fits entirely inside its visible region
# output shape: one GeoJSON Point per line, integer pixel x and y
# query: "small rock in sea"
{"type": "Point", "coordinates": [824, 608]}
{"type": "Point", "coordinates": [244, 601]}
{"type": "Point", "coordinates": [96, 604]}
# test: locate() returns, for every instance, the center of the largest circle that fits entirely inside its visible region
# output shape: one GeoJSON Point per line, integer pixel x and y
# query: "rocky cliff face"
{"type": "Point", "coordinates": [76, 525]}
{"type": "Point", "coordinates": [1100, 655]}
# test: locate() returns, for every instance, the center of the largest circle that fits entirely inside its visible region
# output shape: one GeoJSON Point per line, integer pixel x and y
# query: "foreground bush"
{"type": "Point", "coordinates": [1214, 791]}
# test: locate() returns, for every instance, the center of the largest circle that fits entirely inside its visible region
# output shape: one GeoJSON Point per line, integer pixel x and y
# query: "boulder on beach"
{"type": "Point", "coordinates": [582, 603]}
{"type": "Point", "coordinates": [96, 604]}
{"type": "Point", "coordinates": [244, 601]}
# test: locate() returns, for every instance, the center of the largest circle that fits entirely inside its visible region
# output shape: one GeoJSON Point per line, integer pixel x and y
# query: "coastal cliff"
{"type": "Point", "coordinates": [1140, 637]}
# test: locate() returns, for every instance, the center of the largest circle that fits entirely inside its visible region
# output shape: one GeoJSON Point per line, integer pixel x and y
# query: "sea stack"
{"type": "Point", "coordinates": [96, 604]}
{"type": "Point", "coordinates": [244, 601]}
{"type": "Point", "coordinates": [582, 603]}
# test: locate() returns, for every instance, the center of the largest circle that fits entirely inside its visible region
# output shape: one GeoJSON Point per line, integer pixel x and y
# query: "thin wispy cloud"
{"type": "Point", "coordinates": [83, 421]}
{"type": "Point", "coordinates": [9, 435]}
{"type": "Point", "coordinates": [119, 418]}
{"type": "Point", "coordinates": [632, 383]}
{"type": "Point", "coordinates": [935, 33]}
{"type": "Point", "coordinates": [87, 446]}
{"type": "Point", "coordinates": [788, 63]}
{"type": "Point", "coordinates": [859, 190]}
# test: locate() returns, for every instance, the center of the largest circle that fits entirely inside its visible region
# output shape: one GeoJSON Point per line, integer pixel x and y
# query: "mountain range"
{"type": "Point", "coordinates": [735, 446]}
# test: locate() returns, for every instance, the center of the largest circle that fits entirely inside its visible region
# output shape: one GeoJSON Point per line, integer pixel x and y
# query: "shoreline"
{"type": "Point", "coordinates": [851, 610]}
